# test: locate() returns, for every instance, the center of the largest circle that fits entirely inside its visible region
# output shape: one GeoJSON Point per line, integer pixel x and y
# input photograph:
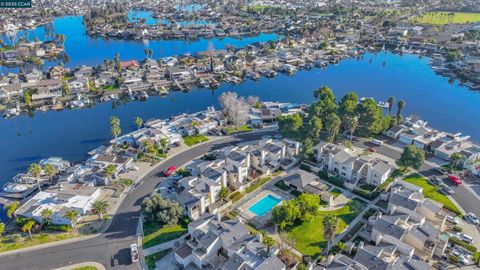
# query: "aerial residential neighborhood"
{"type": "Point", "coordinates": [239, 135]}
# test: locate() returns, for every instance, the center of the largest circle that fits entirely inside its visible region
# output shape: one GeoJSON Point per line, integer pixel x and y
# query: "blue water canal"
{"type": "Point", "coordinates": [72, 133]}
{"type": "Point", "coordinates": [84, 50]}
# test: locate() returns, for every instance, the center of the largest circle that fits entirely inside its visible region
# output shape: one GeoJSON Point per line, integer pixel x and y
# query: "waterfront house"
{"type": "Point", "coordinates": [213, 244]}
{"type": "Point", "coordinates": [78, 85]}
{"type": "Point", "coordinates": [47, 89]}
{"type": "Point", "coordinates": [60, 199]}
{"type": "Point", "coordinates": [121, 164]}
{"type": "Point", "coordinates": [57, 72]}
{"type": "Point", "coordinates": [11, 91]}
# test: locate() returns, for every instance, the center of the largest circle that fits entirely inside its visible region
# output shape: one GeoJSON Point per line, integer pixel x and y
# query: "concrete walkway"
{"type": "Point", "coordinates": [99, 266]}
{"type": "Point", "coordinates": [163, 246]}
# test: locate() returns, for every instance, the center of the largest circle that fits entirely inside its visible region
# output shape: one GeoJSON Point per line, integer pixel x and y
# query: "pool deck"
{"type": "Point", "coordinates": [260, 221]}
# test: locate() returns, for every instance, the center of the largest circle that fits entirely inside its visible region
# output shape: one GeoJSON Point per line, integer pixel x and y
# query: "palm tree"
{"type": "Point", "coordinates": [11, 208]}
{"type": "Point", "coordinates": [330, 227]}
{"type": "Point", "coordinates": [455, 159]}
{"type": "Point", "coordinates": [352, 127]}
{"type": "Point", "coordinates": [72, 216]}
{"type": "Point", "coordinates": [138, 122]}
{"type": "Point", "coordinates": [110, 171]}
{"type": "Point", "coordinates": [2, 229]}
{"type": "Point", "coordinates": [100, 207]}
{"type": "Point", "coordinates": [50, 170]}
{"type": "Point", "coordinates": [146, 52]}
{"type": "Point", "coordinates": [401, 105]}
{"type": "Point", "coordinates": [46, 215]}
{"type": "Point", "coordinates": [115, 127]}
{"type": "Point", "coordinates": [164, 142]}
{"type": "Point", "coordinates": [27, 227]}
{"type": "Point", "coordinates": [150, 51]}
{"type": "Point", "coordinates": [35, 170]}
{"type": "Point", "coordinates": [391, 101]}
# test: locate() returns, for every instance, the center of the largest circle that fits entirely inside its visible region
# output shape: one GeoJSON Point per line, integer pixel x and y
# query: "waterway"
{"type": "Point", "coordinates": [85, 50]}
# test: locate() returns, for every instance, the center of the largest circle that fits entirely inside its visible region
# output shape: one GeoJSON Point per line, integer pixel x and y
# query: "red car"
{"type": "Point", "coordinates": [171, 170]}
{"type": "Point", "coordinates": [455, 179]}
{"type": "Point", "coordinates": [371, 149]}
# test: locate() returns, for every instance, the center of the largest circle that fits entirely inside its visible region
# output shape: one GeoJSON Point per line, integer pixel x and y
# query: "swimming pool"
{"type": "Point", "coordinates": [264, 205]}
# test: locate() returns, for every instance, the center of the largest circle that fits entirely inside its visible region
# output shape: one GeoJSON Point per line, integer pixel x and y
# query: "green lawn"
{"type": "Point", "coordinates": [233, 130]}
{"type": "Point", "coordinates": [441, 18]}
{"type": "Point", "coordinates": [153, 258]}
{"type": "Point", "coordinates": [155, 234]}
{"type": "Point", "coordinates": [257, 184]}
{"type": "Point", "coordinates": [335, 192]}
{"type": "Point", "coordinates": [308, 236]}
{"type": "Point", "coordinates": [194, 139]}
{"type": "Point", "coordinates": [431, 191]}
{"type": "Point", "coordinates": [10, 243]}
{"type": "Point", "coordinates": [108, 88]}
{"type": "Point", "coordinates": [85, 268]}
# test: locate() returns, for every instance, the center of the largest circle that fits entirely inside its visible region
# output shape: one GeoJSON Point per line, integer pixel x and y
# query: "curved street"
{"type": "Point", "coordinates": [111, 248]}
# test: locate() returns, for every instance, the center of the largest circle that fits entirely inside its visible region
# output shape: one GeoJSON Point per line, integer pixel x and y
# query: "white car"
{"type": "Point", "coordinates": [465, 237]}
{"type": "Point", "coordinates": [463, 260]}
{"type": "Point", "coordinates": [134, 253]}
{"type": "Point", "coordinates": [472, 217]}
{"type": "Point", "coordinates": [376, 142]}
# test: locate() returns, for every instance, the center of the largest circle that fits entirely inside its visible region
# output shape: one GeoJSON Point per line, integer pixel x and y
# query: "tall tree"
{"type": "Point", "coordinates": [234, 108]}
{"type": "Point", "coordinates": [330, 227]}
{"type": "Point", "coordinates": [333, 127]}
{"type": "Point", "coordinates": [411, 156]}
{"type": "Point", "coordinates": [46, 215]}
{"type": "Point", "coordinates": [391, 101]}
{"type": "Point", "coordinates": [163, 211]}
{"type": "Point", "coordinates": [138, 122]}
{"type": "Point", "coordinates": [27, 227]}
{"type": "Point", "coordinates": [352, 126]}
{"type": "Point", "coordinates": [110, 171]}
{"type": "Point", "coordinates": [115, 129]}
{"type": "Point", "coordinates": [455, 159]}
{"type": "Point", "coordinates": [370, 118]}
{"type": "Point", "coordinates": [325, 105]}
{"type": "Point", "coordinates": [35, 170]}
{"type": "Point", "coordinates": [400, 106]}
{"type": "Point", "coordinates": [72, 215]}
{"type": "Point", "coordinates": [11, 208]}
{"type": "Point", "coordinates": [347, 108]}
{"type": "Point", "coordinates": [313, 128]}
{"type": "Point", "coordinates": [164, 143]}
{"type": "Point", "coordinates": [50, 170]}
{"type": "Point", "coordinates": [290, 125]}
{"type": "Point", "coordinates": [306, 151]}
{"type": "Point", "coordinates": [100, 207]}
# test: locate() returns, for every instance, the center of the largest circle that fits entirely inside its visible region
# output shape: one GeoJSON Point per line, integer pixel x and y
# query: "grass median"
{"type": "Point", "coordinates": [194, 139]}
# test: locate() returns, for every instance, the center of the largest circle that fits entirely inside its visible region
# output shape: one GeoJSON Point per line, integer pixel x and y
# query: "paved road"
{"type": "Point", "coordinates": [112, 247]}
{"type": "Point", "coordinates": [468, 201]}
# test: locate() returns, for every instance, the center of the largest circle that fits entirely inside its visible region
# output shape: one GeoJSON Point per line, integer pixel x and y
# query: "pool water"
{"type": "Point", "coordinates": [264, 205]}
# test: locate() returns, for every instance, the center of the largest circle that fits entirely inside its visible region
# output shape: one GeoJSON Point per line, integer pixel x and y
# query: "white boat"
{"type": "Point", "coordinates": [17, 190]}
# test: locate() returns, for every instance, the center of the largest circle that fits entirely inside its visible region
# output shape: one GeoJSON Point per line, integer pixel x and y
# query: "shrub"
{"type": "Point", "coordinates": [281, 185]}
{"type": "Point", "coordinates": [461, 243]}
{"type": "Point", "coordinates": [305, 167]}
{"type": "Point", "coordinates": [61, 228]}
{"type": "Point", "coordinates": [476, 257]}
{"type": "Point", "coordinates": [457, 228]}
{"type": "Point", "coordinates": [453, 259]}
{"type": "Point", "coordinates": [323, 174]}
{"type": "Point", "coordinates": [13, 238]}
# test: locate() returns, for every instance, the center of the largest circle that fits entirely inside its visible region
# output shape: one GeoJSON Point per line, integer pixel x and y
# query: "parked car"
{"type": "Point", "coordinates": [434, 181]}
{"type": "Point", "coordinates": [134, 253]}
{"type": "Point", "coordinates": [454, 220]}
{"type": "Point", "coordinates": [455, 179]}
{"type": "Point", "coordinates": [376, 142]}
{"type": "Point", "coordinates": [169, 171]}
{"type": "Point", "coordinates": [441, 170]}
{"type": "Point", "coordinates": [447, 190]}
{"type": "Point", "coordinates": [472, 217]}
{"type": "Point", "coordinates": [464, 237]}
{"type": "Point", "coordinates": [371, 149]}
{"type": "Point", "coordinates": [440, 266]}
